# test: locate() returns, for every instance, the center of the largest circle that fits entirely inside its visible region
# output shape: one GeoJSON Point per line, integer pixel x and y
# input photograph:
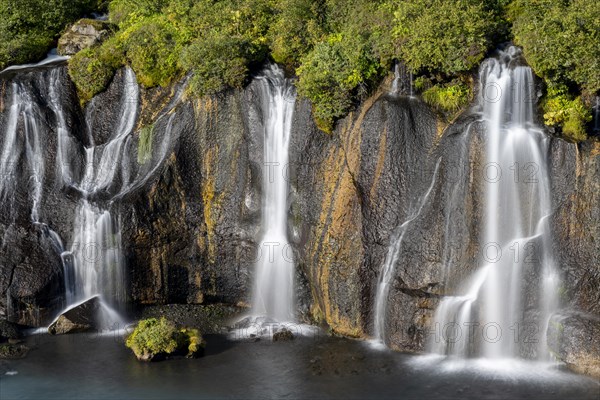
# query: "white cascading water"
{"type": "Point", "coordinates": [23, 106]}
{"type": "Point", "coordinates": [515, 243]}
{"type": "Point", "coordinates": [388, 269]}
{"type": "Point", "coordinates": [273, 295]}
{"type": "Point", "coordinates": [95, 260]}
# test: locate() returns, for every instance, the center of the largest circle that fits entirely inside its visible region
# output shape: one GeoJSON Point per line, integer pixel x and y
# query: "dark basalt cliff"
{"type": "Point", "coordinates": [189, 229]}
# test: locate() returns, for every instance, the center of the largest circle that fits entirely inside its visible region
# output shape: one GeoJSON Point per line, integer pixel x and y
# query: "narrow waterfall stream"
{"type": "Point", "coordinates": [504, 310]}
{"type": "Point", "coordinates": [389, 265]}
{"type": "Point", "coordinates": [273, 295]}
{"type": "Point", "coordinates": [94, 264]}
{"type": "Point", "coordinates": [98, 174]}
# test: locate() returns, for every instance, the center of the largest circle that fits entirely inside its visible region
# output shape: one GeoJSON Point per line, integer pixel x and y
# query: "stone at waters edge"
{"type": "Point", "coordinates": [574, 338]}
{"type": "Point", "coordinates": [282, 335]}
{"type": "Point", "coordinates": [9, 331]}
{"type": "Point", "coordinates": [80, 318]}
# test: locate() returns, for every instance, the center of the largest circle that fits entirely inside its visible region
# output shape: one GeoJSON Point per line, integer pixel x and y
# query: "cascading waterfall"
{"type": "Point", "coordinates": [389, 265]}
{"type": "Point", "coordinates": [10, 166]}
{"type": "Point", "coordinates": [273, 295]}
{"type": "Point", "coordinates": [489, 319]}
{"type": "Point", "coordinates": [95, 263]}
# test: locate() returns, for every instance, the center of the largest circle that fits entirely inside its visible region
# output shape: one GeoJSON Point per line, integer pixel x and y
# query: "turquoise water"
{"type": "Point", "coordinates": [91, 367]}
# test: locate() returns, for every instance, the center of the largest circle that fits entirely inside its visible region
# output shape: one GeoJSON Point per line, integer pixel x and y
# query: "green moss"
{"type": "Point", "coordinates": [159, 338]}
{"type": "Point", "coordinates": [29, 28]}
{"type": "Point", "coordinates": [145, 144]}
{"type": "Point", "coordinates": [448, 36]}
{"type": "Point", "coordinates": [92, 69]}
{"type": "Point", "coordinates": [152, 47]}
{"type": "Point", "coordinates": [560, 39]}
{"type": "Point", "coordinates": [566, 112]}
{"type": "Point", "coordinates": [333, 73]}
{"type": "Point", "coordinates": [448, 98]}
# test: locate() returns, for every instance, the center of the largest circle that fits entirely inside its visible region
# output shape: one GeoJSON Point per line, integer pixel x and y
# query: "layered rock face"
{"type": "Point", "coordinates": [190, 230]}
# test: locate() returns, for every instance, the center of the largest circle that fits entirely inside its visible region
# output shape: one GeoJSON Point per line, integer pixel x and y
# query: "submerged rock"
{"type": "Point", "coordinates": [83, 34]}
{"type": "Point", "coordinates": [80, 318]}
{"type": "Point", "coordinates": [283, 335]}
{"type": "Point", "coordinates": [574, 339]}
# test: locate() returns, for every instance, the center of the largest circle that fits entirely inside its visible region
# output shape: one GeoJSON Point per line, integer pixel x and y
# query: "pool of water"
{"type": "Point", "coordinates": [100, 367]}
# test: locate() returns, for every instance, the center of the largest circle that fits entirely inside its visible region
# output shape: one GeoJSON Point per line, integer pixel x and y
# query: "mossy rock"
{"type": "Point", "coordinates": [84, 34]}
{"type": "Point", "coordinates": [157, 339]}
{"type": "Point", "coordinates": [13, 351]}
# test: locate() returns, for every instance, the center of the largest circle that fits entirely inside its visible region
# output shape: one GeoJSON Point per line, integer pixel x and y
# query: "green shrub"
{"type": "Point", "coordinates": [563, 110]}
{"type": "Point", "coordinates": [297, 27]}
{"type": "Point", "coordinates": [333, 73]}
{"type": "Point", "coordinates": [29, 28]}
{"type": "Point", "coordinates": [449, 36]}
{"type": "Point", "coordinates": [560, 39]}
{"type": "Point", "coordinates": [450, 98]}
{"type": "Point", "coordinates": [156, 338]}
{"type": "Point", "coordinates": [218, 63]}
{"type": "Point", "coordinates": [92, 69]}
{"type": "Point", "coordinates": [152, 47]}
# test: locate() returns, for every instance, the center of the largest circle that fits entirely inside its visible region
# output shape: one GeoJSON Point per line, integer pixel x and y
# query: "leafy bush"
{"type": "Point", "coordinates": [92, 69]}
{"type": "Point", "coordinates": [449, 98]}
{"type": "Point", "coordinates": [560, 39]}
{"type": "Point", "coordinates": [218, 63]}
{"type": "Point", "coordinates": [28, 28]}
{"type": "Point", "coordinates": [564, 110]}
{"type": "Point", "coordinates": [152, 47]}
{"type": "Point", "coordinates": [297, 27]}
{"type": "Point", "coordinates": [156, 338]}
{"type": "Point", "coordinates": [449, 36]}
{"type": "Point", "coordinates": [332, 72]}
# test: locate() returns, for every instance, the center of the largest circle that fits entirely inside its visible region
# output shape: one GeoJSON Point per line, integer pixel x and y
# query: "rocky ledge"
{"type": "Point", "coordinates": [83, 34]}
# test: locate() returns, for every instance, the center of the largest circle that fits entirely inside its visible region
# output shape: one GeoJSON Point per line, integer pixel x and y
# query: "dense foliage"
{"type": "Point", "coordinates": [340, 50]}
{"type": "Point", "coordinates": [159, 337]}
{"type": "Point", "coordinates": [28, 28]}
{"type": "Point", "coordinates": [561, 42]}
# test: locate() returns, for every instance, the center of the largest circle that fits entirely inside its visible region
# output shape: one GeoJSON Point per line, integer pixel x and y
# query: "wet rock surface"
{"type": "Point", "coordinates": [9, 331]}
{"type": "Point", "coordinates": [574, 338]}
{"type": "Point", "coordinates": [80, 318]}
{"type": "Point", "coordinates": [190, 229]}
{"type": "Point", "coordinates": [283, 335]}
{"type": "Point", "coordinates": [208, 319]}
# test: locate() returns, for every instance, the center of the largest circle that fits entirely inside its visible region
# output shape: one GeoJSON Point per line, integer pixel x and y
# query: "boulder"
{"type": "Point", "coordinates": [83, 34]}
{"type": "Point", "coordinates": [80, 318]}
{"type": "Point", "coordinates": [13, 351]}
{"type": "Point", "coordinates": [574, 338]}
{"type": "Point", "coordinates": [9, 331]}
{"type": "Point", "coordinates": [283, 335]}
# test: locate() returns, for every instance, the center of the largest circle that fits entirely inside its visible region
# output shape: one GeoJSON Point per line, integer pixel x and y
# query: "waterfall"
{"type": "Point", "coordinates": [22, 106]}
{"type": "Point", "coordinates": [389, 265]}
{"type": "Point", "coordinates": [396, 82]}
{"type": "Point", "coordinates": [490, 319]}
{"type": "Point", "coordinates": [95, 262]}
{"type": "Point", "coordinates": [100, 174]}
{"type": "Point", "coordinates": [273, 295]}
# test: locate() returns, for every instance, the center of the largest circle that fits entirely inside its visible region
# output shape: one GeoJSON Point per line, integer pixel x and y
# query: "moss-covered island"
{"type": "Point", "coordinates": [156, 339]}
